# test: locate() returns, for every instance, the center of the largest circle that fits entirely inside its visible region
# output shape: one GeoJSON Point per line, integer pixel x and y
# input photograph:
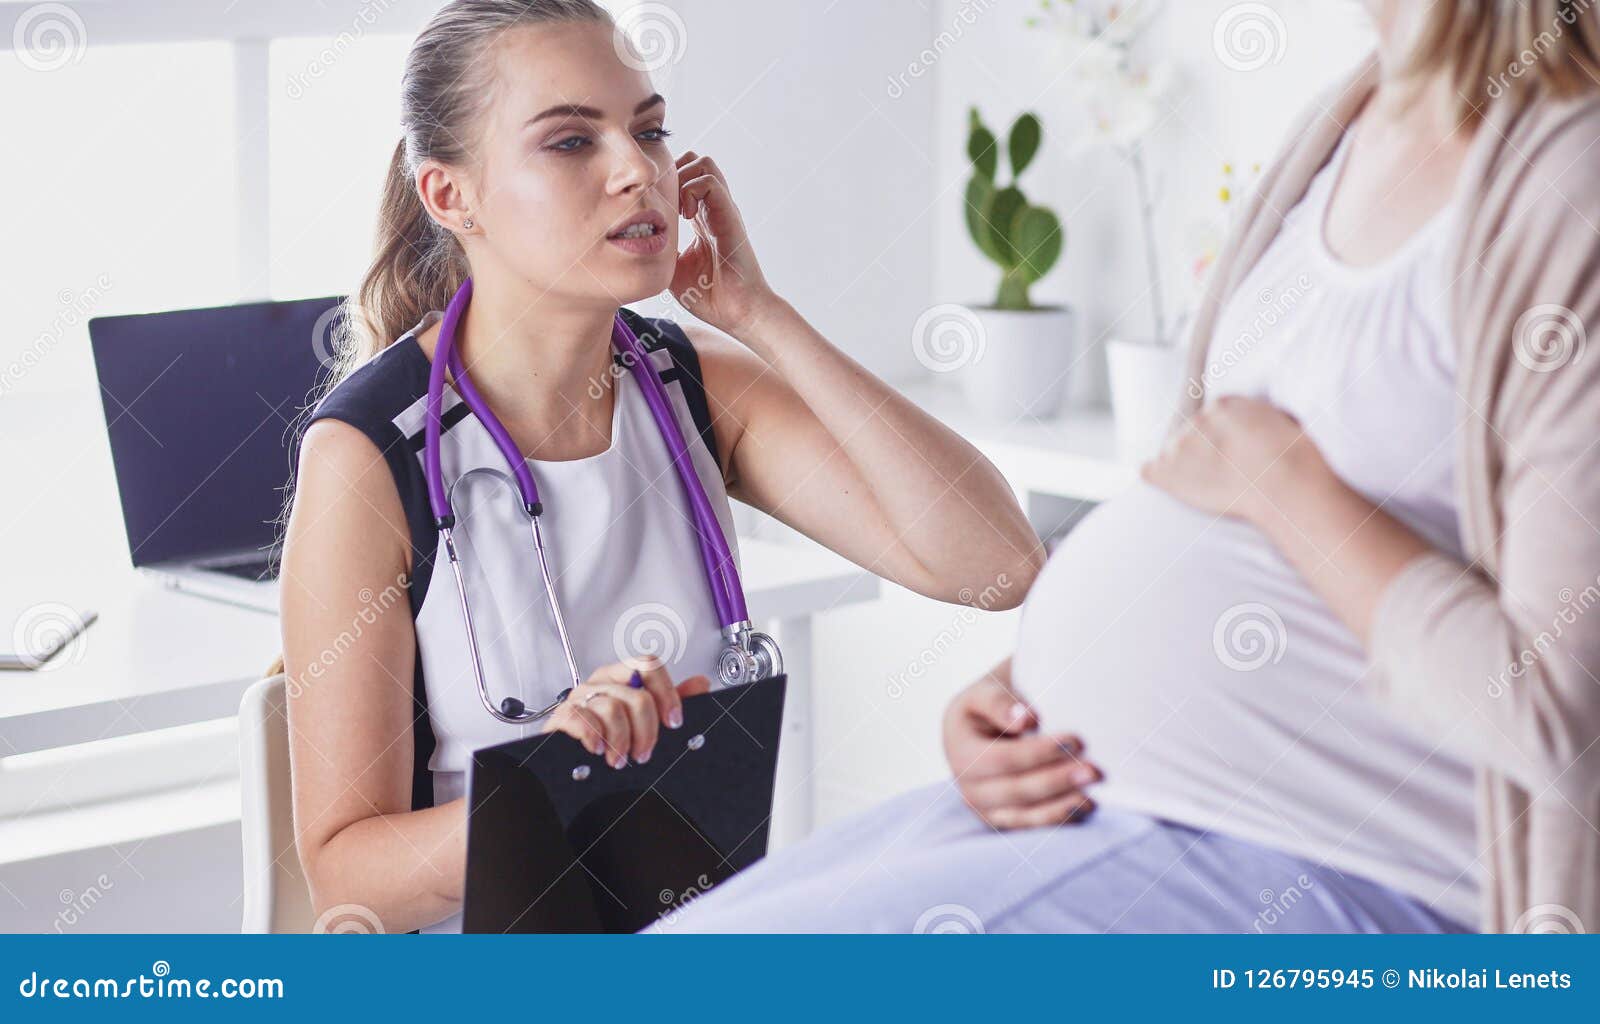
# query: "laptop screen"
{"type": "Point", "coordinates": [200, 407]}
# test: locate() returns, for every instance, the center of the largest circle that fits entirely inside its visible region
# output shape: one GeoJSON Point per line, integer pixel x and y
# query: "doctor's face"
{"type": "Point", "coordinates": [573, 149]}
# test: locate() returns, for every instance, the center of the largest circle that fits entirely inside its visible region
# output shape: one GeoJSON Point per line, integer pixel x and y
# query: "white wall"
{"type": "Point", "coordinates": [835, 179]}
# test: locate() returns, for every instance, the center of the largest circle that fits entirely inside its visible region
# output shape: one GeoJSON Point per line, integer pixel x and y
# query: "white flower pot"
{"type": "Point", "coordinates": [1146, 382]}
{"type": "Point", "coordinates": [1020, 363]}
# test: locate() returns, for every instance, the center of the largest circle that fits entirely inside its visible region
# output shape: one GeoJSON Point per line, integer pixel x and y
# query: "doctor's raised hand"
{"type": "Point", "coordinates": [717, 277]}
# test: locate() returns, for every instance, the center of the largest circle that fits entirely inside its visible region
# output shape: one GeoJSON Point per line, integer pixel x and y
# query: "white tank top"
{"type": "Point", "coordinates": [619, 538]}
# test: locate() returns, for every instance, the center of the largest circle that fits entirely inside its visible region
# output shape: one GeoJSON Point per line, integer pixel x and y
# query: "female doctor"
{"type": "Point", "coordinates": [535, 162]}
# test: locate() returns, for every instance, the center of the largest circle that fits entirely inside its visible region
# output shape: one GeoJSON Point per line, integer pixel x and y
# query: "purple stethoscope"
{"type": "Point", "coordinates": [747, 655]}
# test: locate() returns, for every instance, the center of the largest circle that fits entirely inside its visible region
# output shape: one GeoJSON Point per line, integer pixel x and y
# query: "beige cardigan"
{"type": "Point", "coordinates": [1498, 657]}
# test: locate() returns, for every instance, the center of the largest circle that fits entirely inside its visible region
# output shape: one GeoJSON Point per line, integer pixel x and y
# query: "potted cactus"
{"type": "Point", "coordinates": [1027, 349]}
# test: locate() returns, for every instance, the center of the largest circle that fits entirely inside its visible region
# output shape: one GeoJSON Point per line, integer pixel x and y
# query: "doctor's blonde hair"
{"type": "Point", "coordinates": [417, 265]}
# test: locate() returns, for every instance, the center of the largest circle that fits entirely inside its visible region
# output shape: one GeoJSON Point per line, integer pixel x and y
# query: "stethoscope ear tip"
{"type": "Point", "coordinates": [511, 707]}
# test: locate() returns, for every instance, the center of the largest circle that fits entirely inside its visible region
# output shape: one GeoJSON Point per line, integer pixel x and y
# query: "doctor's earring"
{"type": "Point", "coordinates": [467, 224]}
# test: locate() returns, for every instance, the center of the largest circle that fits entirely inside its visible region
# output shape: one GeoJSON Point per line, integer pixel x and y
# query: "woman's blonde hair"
{"type": "Point", "coordinates": [417, 265]}
{"type": "Point", "coordinates": [1488, 50]}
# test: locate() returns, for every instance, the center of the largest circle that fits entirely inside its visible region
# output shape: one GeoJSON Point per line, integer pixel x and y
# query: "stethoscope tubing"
{"type": "Point", "coordinates": [721, 572]}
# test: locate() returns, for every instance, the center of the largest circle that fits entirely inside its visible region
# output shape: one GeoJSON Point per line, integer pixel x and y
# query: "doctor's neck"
{"type": "Point", "coordinates": [541, 361]}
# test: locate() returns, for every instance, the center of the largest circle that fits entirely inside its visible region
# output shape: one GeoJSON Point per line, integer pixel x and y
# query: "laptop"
{"type": "Point", "coordinates": [201, 409]}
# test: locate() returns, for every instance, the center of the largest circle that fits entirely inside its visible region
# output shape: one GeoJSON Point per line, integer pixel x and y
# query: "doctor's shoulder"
{"type": "Point", "coordinates": [349, 455]}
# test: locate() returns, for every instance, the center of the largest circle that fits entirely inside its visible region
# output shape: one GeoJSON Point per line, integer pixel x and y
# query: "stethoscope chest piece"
{"type": "Point", "coordinates": [747, 656]}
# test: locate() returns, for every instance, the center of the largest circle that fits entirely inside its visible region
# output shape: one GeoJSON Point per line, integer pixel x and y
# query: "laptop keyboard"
{"type": "Point", "coordinates": [261, 570]}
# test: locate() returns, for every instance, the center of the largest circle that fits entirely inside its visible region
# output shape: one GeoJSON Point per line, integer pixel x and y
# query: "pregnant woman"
{"type": "Point", "coordinates": [1327, 667]}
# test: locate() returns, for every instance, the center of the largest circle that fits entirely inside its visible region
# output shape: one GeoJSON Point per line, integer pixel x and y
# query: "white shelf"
{"type": "Point", "coordinates": [1075, 455]}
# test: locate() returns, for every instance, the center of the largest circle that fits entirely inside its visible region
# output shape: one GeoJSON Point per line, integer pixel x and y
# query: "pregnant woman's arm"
{"type": "Point", "coordinates": [1505, 667]}
{"type": "Point", "coordinates": [818, 442]}
{"type": "Point", "coordinates": [1246, 458]}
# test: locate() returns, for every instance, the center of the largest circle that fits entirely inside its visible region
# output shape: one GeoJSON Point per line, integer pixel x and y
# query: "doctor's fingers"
{"type": "Point", "coordinates": [657, 683]}
{"type": "Point", "coordinates": [708, 192]}
{"type": "Point", "coordinates": [693, 165]}
{"type": "Point", "coordinates": [582, 726]}
{"type": "Point", "coordinates": [630, 715]}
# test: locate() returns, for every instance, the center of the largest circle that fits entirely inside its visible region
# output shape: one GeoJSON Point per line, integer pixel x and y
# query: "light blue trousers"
{"type": "Point", "coordinates": [923, 862]}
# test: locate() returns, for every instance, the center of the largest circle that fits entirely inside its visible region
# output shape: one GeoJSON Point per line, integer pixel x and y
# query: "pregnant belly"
{"type": "Point", "coordinates": [1213, 687]}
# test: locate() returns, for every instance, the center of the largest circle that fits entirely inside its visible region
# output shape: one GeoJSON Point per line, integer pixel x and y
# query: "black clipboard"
{"type": "Point", "coordinates": [559, 841]}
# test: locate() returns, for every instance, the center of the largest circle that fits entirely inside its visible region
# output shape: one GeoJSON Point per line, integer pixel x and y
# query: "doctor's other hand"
{"type": "Point", "coordinates": [1011, 774]}
{"type": "Point", "coordinates": [618, 721]}
{"type": "Point", "coordinates": [717, 277]}
{"type": "Point", "coordinates": [1235, 456]}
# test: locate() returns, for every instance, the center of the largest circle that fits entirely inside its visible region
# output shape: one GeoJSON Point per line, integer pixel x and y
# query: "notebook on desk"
{"type": "Point", "coordinates": [199, 406]}
{"type": "Point", "coordinates": [559, 841]}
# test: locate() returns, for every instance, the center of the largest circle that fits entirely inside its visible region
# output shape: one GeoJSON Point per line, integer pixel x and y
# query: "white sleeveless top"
{"type": "Point", "coordinates": [619, 538]}
{"type": "Point", "coordinates": [1210, 682]}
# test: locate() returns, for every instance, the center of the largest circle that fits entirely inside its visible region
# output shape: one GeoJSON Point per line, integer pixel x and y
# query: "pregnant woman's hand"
{"type": "Point", "coordinates": [1233, 456]}
{"type": "Point", "coordinates": [618, 721]}
{"type": "Point", "coordinates": [1011, 774]}
{"type": "Point", "coordinates": [717, 277]}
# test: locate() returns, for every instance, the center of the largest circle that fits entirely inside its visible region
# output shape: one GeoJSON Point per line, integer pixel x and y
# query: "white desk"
{"type": "Point", "coordinates": [157, 658]}
{"type": "Point", "coordinates": [1072, 456]}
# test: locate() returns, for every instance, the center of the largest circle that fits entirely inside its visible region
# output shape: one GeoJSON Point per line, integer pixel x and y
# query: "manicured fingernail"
{"type": "Point", "coordinates": [642, 758]}
{"type": "Point", "coordinates": [1019, 711]}
{"type": "Point", "coordinates": [636, 681]}
{"type": "Point", "coordinates": [675, 718]}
